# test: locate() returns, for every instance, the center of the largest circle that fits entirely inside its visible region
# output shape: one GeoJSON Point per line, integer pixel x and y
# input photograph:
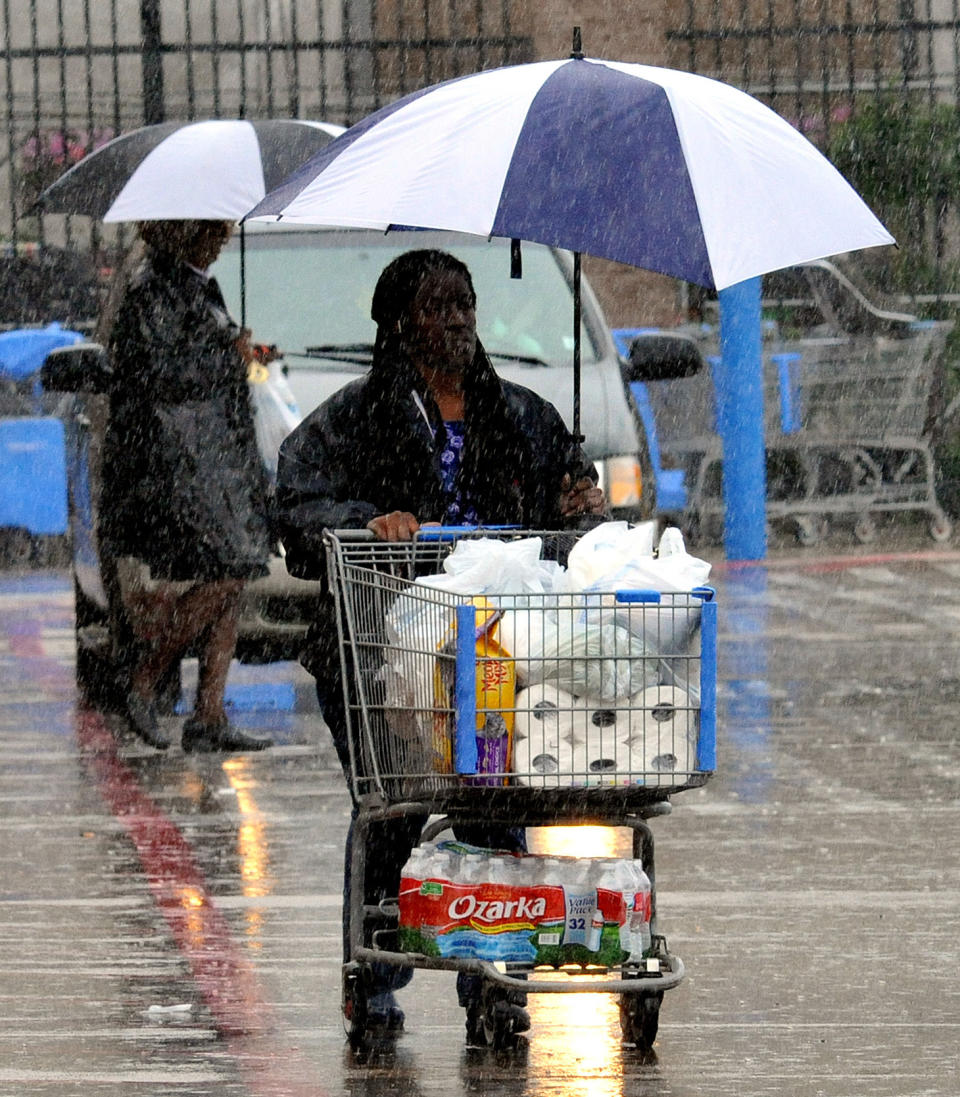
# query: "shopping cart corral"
{"type": "Point", "coordinates": [604, 709]}
{"type": "Point", "coordinates": [850, 414]}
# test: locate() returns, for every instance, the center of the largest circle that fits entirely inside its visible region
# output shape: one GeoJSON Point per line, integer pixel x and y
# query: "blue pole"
{"type": "Point", "coordinates": [739, 382]}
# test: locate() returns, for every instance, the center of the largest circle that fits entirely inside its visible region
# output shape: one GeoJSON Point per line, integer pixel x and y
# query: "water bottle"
{"type": "Point", "coordinates": [595, 932]}
{"type": "Point", "coordinates": [417, 864]}
{"type": "Point", "coordinates": [640, 935]}
{"type": "Point", "coordinates": [610, 877]}
{"type": "Point", "coordinates": [472, 870]}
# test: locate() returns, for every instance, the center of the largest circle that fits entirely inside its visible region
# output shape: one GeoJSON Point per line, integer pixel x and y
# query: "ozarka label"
{"type": "Point", "coordinates": [537, 924]}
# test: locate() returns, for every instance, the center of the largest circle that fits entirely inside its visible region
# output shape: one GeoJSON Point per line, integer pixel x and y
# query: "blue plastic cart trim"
{"type": "Point", "coordinates": [789, 418]}
{"type": "Point", "coordinates": [448, 533]}
{"type": "Point", "coordinates": [638, 596]}
{"type": "Point", "coordinates": [707, 742]}
{"type": "Point", "coordinates": [465, 692]}
{"type": "Point", "coordinates": [706, 594]}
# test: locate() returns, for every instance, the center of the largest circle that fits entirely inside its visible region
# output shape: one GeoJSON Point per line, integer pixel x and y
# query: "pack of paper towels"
{"type": "Point", "coordinates": [561, 740]}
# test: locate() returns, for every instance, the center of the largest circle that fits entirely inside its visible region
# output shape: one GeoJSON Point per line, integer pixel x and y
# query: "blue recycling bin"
{"type": "Point", "coordinates": [33, 472]}
{"type": "Point", "coordinates": [33, 478]}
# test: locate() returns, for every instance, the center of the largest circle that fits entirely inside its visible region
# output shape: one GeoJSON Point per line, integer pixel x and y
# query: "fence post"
{"type": "Point", "coordinates": [152, 62]}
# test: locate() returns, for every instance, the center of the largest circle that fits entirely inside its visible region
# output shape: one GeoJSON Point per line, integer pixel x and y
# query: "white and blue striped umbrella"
{"type": "Point", "coordinates": [664, 170]}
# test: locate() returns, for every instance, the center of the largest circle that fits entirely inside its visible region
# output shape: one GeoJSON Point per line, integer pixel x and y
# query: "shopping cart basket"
{"type": "Point", "coordinates": [612, 707]}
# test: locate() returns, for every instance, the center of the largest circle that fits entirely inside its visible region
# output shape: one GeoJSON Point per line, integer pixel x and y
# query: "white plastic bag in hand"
{"type": "Point", "coordinates": [275, 413]}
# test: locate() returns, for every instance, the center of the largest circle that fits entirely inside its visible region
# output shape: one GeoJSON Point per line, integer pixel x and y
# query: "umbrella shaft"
{"type": "Point", "coordinates": [243, 278]}
{"type": "Point", "coordinates": [576, 346]}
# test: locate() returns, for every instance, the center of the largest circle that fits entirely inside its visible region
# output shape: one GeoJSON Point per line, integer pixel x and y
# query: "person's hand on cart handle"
{"type": "Point", "coordinates": [583, 497]}
{"type": "Point", "coordinates": [398, 525]}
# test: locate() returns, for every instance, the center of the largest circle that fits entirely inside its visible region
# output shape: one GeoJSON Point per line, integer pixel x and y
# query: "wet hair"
{"type": "Point", "coordinates": [401, 280]}
{"type": "Point", "coordinates": [173, 236]}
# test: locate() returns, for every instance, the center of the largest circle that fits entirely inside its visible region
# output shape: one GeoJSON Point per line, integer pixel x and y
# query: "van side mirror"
{"type": "Point", "coordinates": [84, 367]}
{"type": "Point", "coordinates": [659, 356]}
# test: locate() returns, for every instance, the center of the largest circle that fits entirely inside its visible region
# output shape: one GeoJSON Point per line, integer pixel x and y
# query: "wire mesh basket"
{"type": "Point", "coordinates": [566, 698]}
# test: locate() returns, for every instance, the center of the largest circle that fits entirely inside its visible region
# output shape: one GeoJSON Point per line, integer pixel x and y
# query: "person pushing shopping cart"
{"type": "Point", "coordinates": [430, 436]}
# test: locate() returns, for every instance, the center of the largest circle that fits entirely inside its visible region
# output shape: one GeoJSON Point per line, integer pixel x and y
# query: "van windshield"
{"type": "Point", "coordinates": [312, 287]}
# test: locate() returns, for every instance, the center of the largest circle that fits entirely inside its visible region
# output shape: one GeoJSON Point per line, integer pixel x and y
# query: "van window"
{"type": "Point", "coordinates": [313, 287]}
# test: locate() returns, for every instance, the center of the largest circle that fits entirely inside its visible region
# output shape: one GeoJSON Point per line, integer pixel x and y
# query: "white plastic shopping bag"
{"type": "Point", "coordinates": [275, 413]}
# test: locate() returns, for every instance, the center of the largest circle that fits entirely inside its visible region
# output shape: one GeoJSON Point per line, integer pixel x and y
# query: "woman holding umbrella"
{"type": "Point", "coordinates": [431, 435]}
{"type": "Point", "coordinates": [184, 508]}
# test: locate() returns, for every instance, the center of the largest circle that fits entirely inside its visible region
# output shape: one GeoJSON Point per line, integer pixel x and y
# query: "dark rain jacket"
{"type": "Point", "coordinates": [374, 447]}
{"type": "Point", "coordinates": [183, 483]}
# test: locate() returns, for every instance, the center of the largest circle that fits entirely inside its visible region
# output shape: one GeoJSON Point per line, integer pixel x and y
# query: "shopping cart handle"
{"type": "Point", "coordinates": [425, 533]}
{"type": "Point", "coordinates": [353, 534]}
{"type": "Point", "coordinates": [450, 533]}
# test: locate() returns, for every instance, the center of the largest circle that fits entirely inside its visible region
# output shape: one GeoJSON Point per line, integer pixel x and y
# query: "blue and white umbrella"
{"type": "Point", "coordinates": [664, 170]}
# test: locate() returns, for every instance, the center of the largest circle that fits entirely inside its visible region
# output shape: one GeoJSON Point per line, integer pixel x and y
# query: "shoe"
{"type": "Point", "coordinates": [142, 719]}
{"type": "Point", "coordinates": [515, 1017]}
{"type": "Point", "coordinates": [383, 1013]}
{"type": "Point", "coordinates": [208, 737]}
{"type": "Point", "coordinates": [510, 1020]}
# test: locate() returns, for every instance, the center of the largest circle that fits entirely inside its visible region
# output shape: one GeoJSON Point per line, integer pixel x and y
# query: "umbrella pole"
{"type": "Point", "coordinates": [243, 278]}
{"type": "Point", "coordinates": [576, 346]}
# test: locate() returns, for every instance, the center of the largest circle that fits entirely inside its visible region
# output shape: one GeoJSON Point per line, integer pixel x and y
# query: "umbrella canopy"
{"type": "Point", "coordinates": [664, 170]}
{"type": "Point", "coordinates": [214, 170]}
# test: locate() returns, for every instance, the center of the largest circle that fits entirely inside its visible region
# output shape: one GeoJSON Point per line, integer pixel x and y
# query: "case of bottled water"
{"type": "Point", "coordinates": [461, 901]}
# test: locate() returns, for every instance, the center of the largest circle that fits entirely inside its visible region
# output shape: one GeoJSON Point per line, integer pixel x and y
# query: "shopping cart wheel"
{"type": "Point", "coordinates": [640, 1019]}
{"type": "Point", "coordinates": [808, 530]}
{"type": "Point", "coordinates": [941, 529]}
{"type": "Point", "coordinates": [353, 1003]}
{"type": "Point", "coordinates": [865, 530]}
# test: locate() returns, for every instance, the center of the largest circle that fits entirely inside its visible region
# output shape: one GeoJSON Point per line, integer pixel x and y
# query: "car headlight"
{"type": "Point", "coordinates": [621, 480]}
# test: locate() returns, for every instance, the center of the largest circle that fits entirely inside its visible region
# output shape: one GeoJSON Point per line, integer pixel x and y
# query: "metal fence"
{"type": "Point", "coordinates": [824, 64]}
{"type": "Point", "coordinates": [76, 72]}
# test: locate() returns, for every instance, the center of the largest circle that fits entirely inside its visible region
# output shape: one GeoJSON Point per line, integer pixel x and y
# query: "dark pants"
{"type": "Point", "coordinates": [387, 846]}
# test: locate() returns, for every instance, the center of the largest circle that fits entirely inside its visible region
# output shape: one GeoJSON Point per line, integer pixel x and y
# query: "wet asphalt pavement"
{"type": "Point", "coordinates": [169, 924]}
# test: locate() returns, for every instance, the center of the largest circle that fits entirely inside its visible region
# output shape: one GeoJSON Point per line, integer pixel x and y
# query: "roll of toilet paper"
{"type": "Point", "coordinates": [561, 741]}
{"type": "Point", "coordinates": [544, 767]}
{"type": "Point", "coordinates": [549, 715]}
{"type": "Point", "coordinates": [663, 742]}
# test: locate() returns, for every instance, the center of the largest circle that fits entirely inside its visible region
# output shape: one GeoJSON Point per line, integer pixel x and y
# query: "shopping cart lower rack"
{"type": "Point", "coordinates": [534, 709]}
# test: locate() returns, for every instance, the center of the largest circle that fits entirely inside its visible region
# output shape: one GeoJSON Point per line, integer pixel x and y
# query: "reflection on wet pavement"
{"type": "Point", "coordinates": [170, 923]}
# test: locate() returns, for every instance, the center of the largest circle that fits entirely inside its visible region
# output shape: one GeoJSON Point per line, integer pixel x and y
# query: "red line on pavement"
{"type": "Point", "coordinates": [223, 974]}
{"type": "Point", "coordinates": [838, 563]}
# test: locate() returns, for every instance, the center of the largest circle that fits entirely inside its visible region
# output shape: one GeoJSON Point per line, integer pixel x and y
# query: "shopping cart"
{"type": "Point", "coordinates": [409, 657]}
{"type": "Point", "coordinates": [850, 430]}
